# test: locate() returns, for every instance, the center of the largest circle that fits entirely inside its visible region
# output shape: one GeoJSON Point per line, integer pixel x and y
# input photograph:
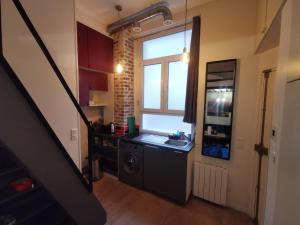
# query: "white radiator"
{"type": "Point", "coordinates": [210, 183]}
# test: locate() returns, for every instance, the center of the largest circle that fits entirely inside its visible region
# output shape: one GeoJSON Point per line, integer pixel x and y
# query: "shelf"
{"type": "Point", "coordinates": [97, 105]}
{"type": "Point", "coordinates": [93, 70]}
{"type": "Point", "coordinates": [105, 148]}
{"type": "Point", "coordinates": [110, 159]}
{"type": "Point", "coordinates": [103, 135]}
{"type": "Point", "coordinates": [218, 136]}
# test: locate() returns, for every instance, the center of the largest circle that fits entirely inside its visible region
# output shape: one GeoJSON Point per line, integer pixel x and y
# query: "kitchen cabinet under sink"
{"type": "Point", "coordinates": [165, 172]}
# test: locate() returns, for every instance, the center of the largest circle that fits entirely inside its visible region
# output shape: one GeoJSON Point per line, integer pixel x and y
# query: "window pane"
{"type": "Point", "coordinates": [177, 85]}
{"type": "Point", "coordinates": [152, 86]}
{"type": "Point", "coordinates": [165, 123]}
{"type": "Point", "coordinates": [167, 45]}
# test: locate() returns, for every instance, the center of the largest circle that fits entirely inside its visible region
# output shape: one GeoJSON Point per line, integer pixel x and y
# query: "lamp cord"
{"type": "Point", "coordinates": [185, 19]}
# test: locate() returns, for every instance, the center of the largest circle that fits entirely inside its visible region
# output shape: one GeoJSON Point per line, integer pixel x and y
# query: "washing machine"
{"type": "Point", "coordinates": [131, 163]}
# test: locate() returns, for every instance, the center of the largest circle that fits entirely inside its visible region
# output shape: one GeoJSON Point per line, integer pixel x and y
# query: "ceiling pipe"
{"type": "Point", "coordinates": [158, 9]}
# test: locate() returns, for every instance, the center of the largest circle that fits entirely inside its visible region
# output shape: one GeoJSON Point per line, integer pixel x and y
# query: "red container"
{"type": "Point", "coordinates": [23, 184]}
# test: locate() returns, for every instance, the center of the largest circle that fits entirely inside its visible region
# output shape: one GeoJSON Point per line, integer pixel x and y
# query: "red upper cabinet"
{"type": "Point", "coordinates": [90, 81]}
{"type": "Point", "coordinates": [82, 39]}
{"type": "Point", "coordinates": [84, 88]}
{"type": "Point", "coordinates": [98, 81]}
{"type": "Point", "coordinates": [100, 48]}
{"type": "Point", "coordinates": [95, 50]}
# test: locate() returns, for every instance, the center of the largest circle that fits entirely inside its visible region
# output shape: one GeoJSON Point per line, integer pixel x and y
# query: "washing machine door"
{"type": "Point", "coordinates": [131, 163]}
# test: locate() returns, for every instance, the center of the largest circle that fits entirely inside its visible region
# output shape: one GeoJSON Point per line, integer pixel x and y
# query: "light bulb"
{"type": "Point", "coordinates": [119, 68]}
{"type": "Point", "coordinates": [185, 56]}
{"type": "Point", "coordinates": [223, 99]}
{"type": "Point", "coordinates": [218, 100]}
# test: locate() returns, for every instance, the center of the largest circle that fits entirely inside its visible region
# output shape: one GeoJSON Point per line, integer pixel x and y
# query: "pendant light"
{"type": "Point", "coordinates": [119, 67]}
{"type": "Point", "coordinates": [185, 58]}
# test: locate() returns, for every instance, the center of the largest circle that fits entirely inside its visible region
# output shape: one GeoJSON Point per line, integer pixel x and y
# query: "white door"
{"type": "Point", "coordinates": [288, 180]}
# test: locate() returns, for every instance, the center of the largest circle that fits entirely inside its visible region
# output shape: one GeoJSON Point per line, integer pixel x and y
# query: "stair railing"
{"type": "Point", "coordinates": [89, 182]}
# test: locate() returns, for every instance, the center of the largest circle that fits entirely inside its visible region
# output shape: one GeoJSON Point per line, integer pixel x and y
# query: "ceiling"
{"type": "Point", "coordinates": [104, 9]}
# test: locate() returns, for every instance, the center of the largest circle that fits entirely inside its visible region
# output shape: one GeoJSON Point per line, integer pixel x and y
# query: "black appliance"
{"type": "Point", "coordinates": [131, 164]}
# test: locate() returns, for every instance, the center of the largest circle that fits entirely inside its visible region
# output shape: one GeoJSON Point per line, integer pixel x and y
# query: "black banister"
{"type": "Point", "coordinates": [38, 113]}
{"type": "Point", "coordinates": [29, 99]}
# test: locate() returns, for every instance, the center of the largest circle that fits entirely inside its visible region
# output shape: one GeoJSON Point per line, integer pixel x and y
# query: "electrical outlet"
{"type": "Point", "coordinates": [74, 134]}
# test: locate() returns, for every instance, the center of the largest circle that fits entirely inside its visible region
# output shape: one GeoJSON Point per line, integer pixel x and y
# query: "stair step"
{"type": "Point", "coordinates": [10, 170]}
{"type": "Point", "coordinates": [7, 194]}
{"type": "Point", "coordinates": [69, 222]}
{"type": "Point", "coordinates": [29, 206]}
{"type": "Point", "coordinates": [54, 215]}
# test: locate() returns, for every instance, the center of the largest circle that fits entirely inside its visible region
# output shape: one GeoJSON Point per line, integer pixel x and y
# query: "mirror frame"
{"type": "Point", "coordinates": [233, 106]}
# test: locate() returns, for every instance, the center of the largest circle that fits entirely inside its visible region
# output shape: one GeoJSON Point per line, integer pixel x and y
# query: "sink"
{"type": "Point", "coordinates": [180, 143]}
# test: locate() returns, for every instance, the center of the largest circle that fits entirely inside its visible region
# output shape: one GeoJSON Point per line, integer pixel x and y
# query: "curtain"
{"type": "Point", "coordinates": [190, 112]}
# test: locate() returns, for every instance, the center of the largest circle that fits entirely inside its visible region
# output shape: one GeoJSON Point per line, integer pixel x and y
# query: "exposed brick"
{"type": "Point", "coordinates": [124, 83]}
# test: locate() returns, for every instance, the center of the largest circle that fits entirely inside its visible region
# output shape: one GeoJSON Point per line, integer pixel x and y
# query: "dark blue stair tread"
{"type": "Point", "coordinates": [28, 206]}
{"type": "Point", "coordinates": [54, 215]}
{"type": "Point", "coordinates": [5, 156]}
{"type": "Point", "coordinates": [7, 170]}
{"type": "Point", "coordinates": [9, 194]}
{"type": "Point", "coordinates": [69, 222]}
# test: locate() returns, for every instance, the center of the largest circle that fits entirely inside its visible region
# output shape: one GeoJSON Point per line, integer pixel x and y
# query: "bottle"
{"type": "Point", "coordinates": [112, 128]}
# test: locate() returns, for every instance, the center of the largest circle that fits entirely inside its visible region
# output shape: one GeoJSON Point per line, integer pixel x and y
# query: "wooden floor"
{"type": "Point", "coordinates": [126, 205]}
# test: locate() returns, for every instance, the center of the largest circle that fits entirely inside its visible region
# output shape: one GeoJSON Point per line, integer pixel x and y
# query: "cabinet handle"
{"type": "Point", "coordinates": [151, 146]}
{"type": "Point", "coordinates": [178, 152]}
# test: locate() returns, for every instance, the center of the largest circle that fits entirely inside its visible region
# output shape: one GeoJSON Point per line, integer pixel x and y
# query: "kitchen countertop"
{"type": "Point", "coordinates": [158, 140]}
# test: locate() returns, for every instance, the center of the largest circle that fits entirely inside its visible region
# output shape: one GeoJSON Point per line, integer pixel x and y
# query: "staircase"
{"type": "Point", "coordinates": [38, 150]}
{"type": "Point", "coordinates": [33, 206]}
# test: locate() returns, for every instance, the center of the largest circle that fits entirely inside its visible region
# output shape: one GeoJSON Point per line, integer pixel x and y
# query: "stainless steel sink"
{"type": "Point", "coordinates": [180, 143]}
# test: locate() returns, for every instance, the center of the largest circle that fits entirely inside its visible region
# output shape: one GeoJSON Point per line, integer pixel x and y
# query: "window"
{"type": "Point", "coordinates": [152, 86]}
{"type": "Point", "coordinates": [172, 44]}
{"type": "Point", "coordinates": [177, 85]}
{"type": "Point", "coordinates": [164, 84]}
{"type": "Point", "coordinates": [165, 123]}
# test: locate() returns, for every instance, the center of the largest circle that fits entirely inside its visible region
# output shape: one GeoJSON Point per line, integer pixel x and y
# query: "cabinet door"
{"type": "Point", "coordinates": [100, 51]}
{"type": "Point", "coordinates": [165, 172]}
{"type": "Point", "coordinates": [273, 8]}
{"type": "Point", "coordinates": [84, 90]}
{"type": "Point", "coordinates": [98, 81]}
{"type": "Point", "coordinates": [82, 42]}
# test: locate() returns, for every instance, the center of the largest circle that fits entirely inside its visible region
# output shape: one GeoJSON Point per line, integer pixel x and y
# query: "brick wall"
{"type": "Point", "coordinates": [124, 82]}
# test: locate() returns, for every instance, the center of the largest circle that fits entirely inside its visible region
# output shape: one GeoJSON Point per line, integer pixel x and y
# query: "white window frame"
{"type": "Point", "coordinates": [164, 61]}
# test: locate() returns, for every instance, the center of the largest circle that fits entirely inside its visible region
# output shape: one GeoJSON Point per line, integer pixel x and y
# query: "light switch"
{"type": "Point", "coordinates": [274, 133]}
{"type": "Point", "coordinates": [74, 134]}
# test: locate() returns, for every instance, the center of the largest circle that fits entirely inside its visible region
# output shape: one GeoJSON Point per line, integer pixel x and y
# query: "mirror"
{"type": "Point", "coordinates": [219, 101]}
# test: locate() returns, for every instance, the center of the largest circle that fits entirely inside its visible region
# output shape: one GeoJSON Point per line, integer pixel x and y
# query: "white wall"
{"type": "Point", "coordinates": [54, 20]}
{"type": "Point", "coordinates": [228, 31]}
{"type": "Point", "coordinates": [283, 175]}
{"type": "Point", "coordinates": [57, 29]}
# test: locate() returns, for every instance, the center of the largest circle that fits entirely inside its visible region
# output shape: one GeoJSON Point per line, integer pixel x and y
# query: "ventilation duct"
{"type": "Point", "coordinates": [158, 9]}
